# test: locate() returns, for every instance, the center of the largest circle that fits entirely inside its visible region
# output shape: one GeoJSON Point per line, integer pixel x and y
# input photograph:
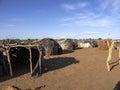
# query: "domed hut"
{"type": "Point", "coordinates": [51, 46]}
{"type": "Point", "coordinates": [67, 44]}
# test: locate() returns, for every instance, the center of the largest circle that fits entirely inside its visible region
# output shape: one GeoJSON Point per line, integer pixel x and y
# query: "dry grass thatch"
{"type": "Point", "coordinates": [67, 44]}
{"type": "Point", "coordinates": [51, 46]}
{"type": "Point", "coordinates": [102, 44]}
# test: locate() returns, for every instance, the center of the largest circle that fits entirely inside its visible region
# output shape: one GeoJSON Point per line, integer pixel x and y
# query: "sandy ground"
{"type": "Point", "coordinates": [83, 69]}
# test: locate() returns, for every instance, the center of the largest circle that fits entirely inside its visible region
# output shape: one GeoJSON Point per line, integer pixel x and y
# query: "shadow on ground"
{"type": "Point", "coordinates": [18, 69]}
{"type": "Point", "coordinates": [51, 65]}
{"type": "Point", "coordinates": [114, 64]}
{"type": "Point", "coordinates": [117, 87]}
{"type": "Point", "coordinates": [57, 63]}
{"type": "Point", "coordinates": [67, 51]}
{"type": "Point", "coordinates": [70, 51]}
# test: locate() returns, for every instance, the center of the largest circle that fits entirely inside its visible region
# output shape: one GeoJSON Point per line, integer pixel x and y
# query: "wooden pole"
{"type": "Point", "coordinates": [10, 66]}
{"type": "Point", "coordinates": [109, 55]}
{"type": "Point", "coordinates": [40, 54]}
{"type": "Point", "coordinates": [108, 43]}
{"type": "Point", "coordinates": [22, 45]}
{"type": "Point", "coordinates": [30, 53]}
{"type": "Point", "coordinates": [119, 54]}
{"type": "Point", "coordinates": [4, 64]}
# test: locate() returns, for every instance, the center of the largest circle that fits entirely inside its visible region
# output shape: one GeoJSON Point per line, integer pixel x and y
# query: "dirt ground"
{"type": "Point", "coordinates": [83, 69]}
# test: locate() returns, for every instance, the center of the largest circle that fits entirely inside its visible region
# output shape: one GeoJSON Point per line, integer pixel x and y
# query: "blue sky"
{"type": "Point", "coordinates": [59, 19]}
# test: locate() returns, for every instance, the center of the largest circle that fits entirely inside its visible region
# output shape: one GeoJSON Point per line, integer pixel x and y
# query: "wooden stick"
{"type": "Point", "coordinates": [109, 55]}
{"type": "Point", "coordinates": [21, 46]}
{"type": "Point", "coordinates": [40, 54]}
{"type": "Point", "coordinates": [108, 43]}
{"type": "Point", "coordinates": [30, 53]}
{"type": "Point", "coordinates": [119, 54]}
{"type": "Point", "coordinates": [109, 58]}
{"type": "Point", "coordinates": [4, 64]}
{"type": "Point", "coordinates": [10, 66]}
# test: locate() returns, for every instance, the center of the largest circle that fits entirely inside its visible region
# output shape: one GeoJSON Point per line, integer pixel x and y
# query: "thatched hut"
{"type": "Point", "coordinates": [86, 43]}
{"type": "Point", "coordinates": [51, 46]}
{"type": "Point", "coordinates": [83, 44]}
{"type": "Point", "coordinates": [67, 44]}
{"type": "Point", "coordinates": [103, 45]}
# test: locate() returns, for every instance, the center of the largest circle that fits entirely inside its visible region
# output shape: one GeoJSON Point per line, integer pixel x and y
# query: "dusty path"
{"type": "Point", "coordinates": [83, 69]}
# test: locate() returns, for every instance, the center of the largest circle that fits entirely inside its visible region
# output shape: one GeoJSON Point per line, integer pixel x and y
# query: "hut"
{"type": "Point", "coordinates": [26, 54]}
{"type": "Point", "coordinates": [67, 44]}
{"type": "Point", "coordinates": [51, 46]}
{"type": "Point", "coordinates": [84, 44]}
{"type": "Point", "coordinates": [103, 44]}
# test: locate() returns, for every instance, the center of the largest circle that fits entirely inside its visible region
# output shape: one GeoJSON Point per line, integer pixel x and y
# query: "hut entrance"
{"type": "Point", "coordinates": [20, 56]}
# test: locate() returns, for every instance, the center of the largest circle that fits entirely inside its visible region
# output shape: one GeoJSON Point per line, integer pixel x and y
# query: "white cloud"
{"type": "Point", "coordinates": [90, 32]}
{"type": "Point", "coordinates": [10, 25]}
{"type": "Point", "coordinates": [7, 25]}
{"type": "Point", "coordinates": [106, 14]}
{"type": "Point", "coordinates": [82, 5]}
{"type": "Point", "coordinates": [103, 22]}
{"type": "Point", "coordinates": [78, 35]}
{"type": "Point", "coordinates": [69, 6]}
{"type": "Point", "coordinates": [90, 19]}
{"type": "Point", "coordinates": [113, 6]}
{"type": "Point", "coordinates": [16, 19]}
{"type": "Point", "coordinates": [116, 6]}
{"type": "Point", "coordinates": [75, 6]}
{"type": "Point", "coordinates": [104, 4]}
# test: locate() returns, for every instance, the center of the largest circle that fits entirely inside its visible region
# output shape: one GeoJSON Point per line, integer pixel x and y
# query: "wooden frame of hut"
{"type": "Point", "coordinates": [111, 45]}
{"type": "Point", "coordinates": [7, 50]}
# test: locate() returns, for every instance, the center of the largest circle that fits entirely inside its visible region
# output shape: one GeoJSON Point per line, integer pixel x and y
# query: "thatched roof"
{"type": "Point", "coordinates": [51, 46]}
{"type": "Point", "coordinates": [102, 44]}
{"type": "Point", "coordinates": [49, 42]}
{"type": "Point", "coordinates": [66, 44]}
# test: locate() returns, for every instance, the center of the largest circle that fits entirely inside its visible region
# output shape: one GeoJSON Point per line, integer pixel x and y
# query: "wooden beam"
{"type": "Point", "coordinates": [21, 46]}
{"type": "Point", "coordinates": [108, 44]}
{"type": "Point", "coordinates": [40, 54]}
{"type": "Point", "coordinates": [4, 63]}
{"type": "Point", "coordinates": [109, 55]}
{"type": "Point", "coordinates": [30, 53]}
{"type": "Point", "coordinates": [119, 54]}
{"type": "Point", "coordinates": [9, 62]}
